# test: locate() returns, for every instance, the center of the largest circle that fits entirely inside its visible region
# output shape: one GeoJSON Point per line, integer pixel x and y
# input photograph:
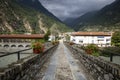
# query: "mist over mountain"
{"type": "Point", "coordinates": [65, 9]}
{"type": "Point", "coordinates": [106, 19]}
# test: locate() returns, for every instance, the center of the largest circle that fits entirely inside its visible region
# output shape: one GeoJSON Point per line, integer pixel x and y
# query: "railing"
{"type": "Point", "coordinates": [110, 53]}
{"type": "Point", "coordinates": [17, 52]}
{"type": "Point", "coordinates": [28, 69]}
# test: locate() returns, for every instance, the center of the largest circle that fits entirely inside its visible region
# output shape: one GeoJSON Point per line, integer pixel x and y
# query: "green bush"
{"type": "Point", "coordinates": [116, 39]}
{"type": "Point", "coordinates": [92, 49]}
{"type": "Point", "coordinates": [55, 42]}
{"type": "Point", "coordinates": [71, 43]}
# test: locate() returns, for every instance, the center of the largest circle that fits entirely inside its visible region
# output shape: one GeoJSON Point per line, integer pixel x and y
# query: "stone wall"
{"type": "Point", "coordinates": [97, 67]}
{"type": "Point", "coordinates": [26, 68]}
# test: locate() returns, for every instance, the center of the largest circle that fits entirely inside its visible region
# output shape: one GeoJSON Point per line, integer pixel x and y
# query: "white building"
{"type": "Point", "coordinates": [51, 38]}
{"type": "Point", "coordinates": [101, 39]}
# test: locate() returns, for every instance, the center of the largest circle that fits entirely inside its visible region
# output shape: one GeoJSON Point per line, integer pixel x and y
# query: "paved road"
{"type": "Point", "coordinates": [63, 66]}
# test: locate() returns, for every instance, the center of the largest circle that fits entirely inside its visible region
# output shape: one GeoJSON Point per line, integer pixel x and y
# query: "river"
{"type": "Point", "coordinates": [4, 61]}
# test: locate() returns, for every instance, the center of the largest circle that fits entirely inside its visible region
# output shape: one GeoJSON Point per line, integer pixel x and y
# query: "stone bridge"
{"type": "Point", "coordinates": [61, 62]}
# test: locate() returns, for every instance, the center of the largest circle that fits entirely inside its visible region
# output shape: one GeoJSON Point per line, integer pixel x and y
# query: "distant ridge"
{"type": "Point", "coordinates": [106, 19]}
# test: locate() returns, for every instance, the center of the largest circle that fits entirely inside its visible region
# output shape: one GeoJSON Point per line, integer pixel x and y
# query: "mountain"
{"type": "Point", "coordinates": [35, 4]}
{"type": "Point", "coordinates": [106, 19]}
{"type": "Point", "coordinates": [69, 21]}
{"type": "Point", "coordinates": [18, 16]}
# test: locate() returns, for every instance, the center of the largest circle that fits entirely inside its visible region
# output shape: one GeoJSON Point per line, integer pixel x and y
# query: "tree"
{"type": "Point", "coordinates": [116, 39]}
{"type": "Point", "coordinates": [46, 37]}
{"type": "Point", "coordinates": [92, 49]}
{"type": "Point", "coordinates": [67, 38]}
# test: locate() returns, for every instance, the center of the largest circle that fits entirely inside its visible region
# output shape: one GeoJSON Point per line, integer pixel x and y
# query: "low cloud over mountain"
{"type": "Point", "coordinates": [73, 8]}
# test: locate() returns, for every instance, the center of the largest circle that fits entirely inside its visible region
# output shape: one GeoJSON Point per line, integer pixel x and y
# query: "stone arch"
{"type": "Point", "coordinates": [13, 45]}
{"type": "Point", "coordinates": [20, 46]}
{"type": "Point", "coordinates": [28, 46]}
{"type": "Point", "coordinates": [6, 45]}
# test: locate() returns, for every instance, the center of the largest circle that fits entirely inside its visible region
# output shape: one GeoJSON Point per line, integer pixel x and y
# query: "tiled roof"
{"type": "Point", "coordinates": [22, 36]}
{"type": "Point", "coordinates": [91, 34]}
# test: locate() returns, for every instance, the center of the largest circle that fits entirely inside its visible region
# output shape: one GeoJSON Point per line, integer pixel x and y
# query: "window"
{"type": "Point", "coordinates": [13, 45]}
{"type": "Point", "coordinates": [73, 40]}
{"type": "Point", "coordinates": [81, 41]}
{"type": "Point", "coordinates": [27, 46]}
{"type": "Point", "coordinates": [6, 45]}
{"type": "Point", "coordinates": [0, 40]}
{"type": "Point", "coordinates": [108, 39]}
{"type": "Point", "coordinates": [100, 36]}
{"type": "Point", "coordinates": [20, 46]}
{"type": "Point", "coordinates": [92, 41]}
{"type": "Point", "coordinates": [100, 39]}
{"type": "Point", "coordinates": [5, 40]}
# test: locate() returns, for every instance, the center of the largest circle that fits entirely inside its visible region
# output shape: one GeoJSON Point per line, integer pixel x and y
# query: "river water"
{"type": "Point", "coordinates": [116, 59]}
{"type": "Point", "coordinates": [4, 61]}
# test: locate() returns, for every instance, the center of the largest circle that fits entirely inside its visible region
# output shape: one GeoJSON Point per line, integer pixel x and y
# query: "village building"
{"type": "Point", "coordinates": [18, 40]}
{"type": "Point", "coordinates": [102, 39]}
{"type": "Point", "coordinates": [51, 38]}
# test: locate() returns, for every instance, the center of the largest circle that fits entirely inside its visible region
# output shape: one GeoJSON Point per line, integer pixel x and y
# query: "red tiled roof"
{"type": "Point", "coordinates": [91, 34]}
{"type": "Point", "coordinates": [22, 36]}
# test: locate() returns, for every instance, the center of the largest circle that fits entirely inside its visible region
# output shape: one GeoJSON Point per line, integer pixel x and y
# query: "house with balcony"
{"type": "Point", "coordinates": [102, 39]}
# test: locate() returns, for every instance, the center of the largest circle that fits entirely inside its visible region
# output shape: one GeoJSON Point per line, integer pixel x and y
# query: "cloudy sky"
{"type": "Point", "coordinates": [64, 9]}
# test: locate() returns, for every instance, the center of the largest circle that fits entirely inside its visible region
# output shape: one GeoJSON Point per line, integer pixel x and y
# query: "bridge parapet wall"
{"type": "Point", "coordinates": [27, 68]}
{"type": "Point", "coordinates": [97, 67]}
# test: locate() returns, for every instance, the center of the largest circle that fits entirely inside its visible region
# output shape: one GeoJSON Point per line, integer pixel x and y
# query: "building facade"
{"type": "Point", "coordinates": [18, 40]}
{"type": "Point", "coordinates": [102, 39]}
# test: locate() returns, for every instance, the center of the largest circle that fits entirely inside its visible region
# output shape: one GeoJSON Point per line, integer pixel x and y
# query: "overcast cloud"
{"type": "Point", "coordinates": [73, 8]}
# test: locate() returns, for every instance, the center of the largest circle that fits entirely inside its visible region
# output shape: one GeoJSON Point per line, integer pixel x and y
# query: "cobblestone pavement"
{"type": "Point", "coordinates": [63, 66]}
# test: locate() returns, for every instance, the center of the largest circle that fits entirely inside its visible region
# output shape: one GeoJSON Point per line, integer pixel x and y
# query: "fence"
{"type": "Point", "coordinates": [17, 52]}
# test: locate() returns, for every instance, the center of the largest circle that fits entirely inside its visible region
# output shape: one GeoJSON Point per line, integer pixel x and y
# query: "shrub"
{"type": "Point", "coordinates": [92, 49]}
{"type": "Point", "coordinates": [71, 43]}
{"type": "Point", "coordinates": [55, 42]}
{"type": "Point", "coordinates": [37, 47]}
{"type": "Point", "coordinates": [115, 40]}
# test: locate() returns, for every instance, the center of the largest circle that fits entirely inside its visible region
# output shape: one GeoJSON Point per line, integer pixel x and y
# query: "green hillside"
{"type": "Point", "coordinates": [17, 18]}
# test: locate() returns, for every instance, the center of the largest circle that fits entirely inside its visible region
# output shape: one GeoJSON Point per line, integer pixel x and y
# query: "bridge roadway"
{"type": "Point", "coordinates": [63, 66]}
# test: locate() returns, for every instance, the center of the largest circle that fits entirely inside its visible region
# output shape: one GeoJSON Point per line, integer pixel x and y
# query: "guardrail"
{"type": "Point", "coordinates": [17, 52]}
{"type": "Point", "coordinates": [110, 53]}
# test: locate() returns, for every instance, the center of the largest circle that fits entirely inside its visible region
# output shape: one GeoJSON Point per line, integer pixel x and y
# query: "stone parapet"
{"type": "Point", "coordinates": [97, 67]}
{"type": "Point", "coordinates": [27, 68]}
